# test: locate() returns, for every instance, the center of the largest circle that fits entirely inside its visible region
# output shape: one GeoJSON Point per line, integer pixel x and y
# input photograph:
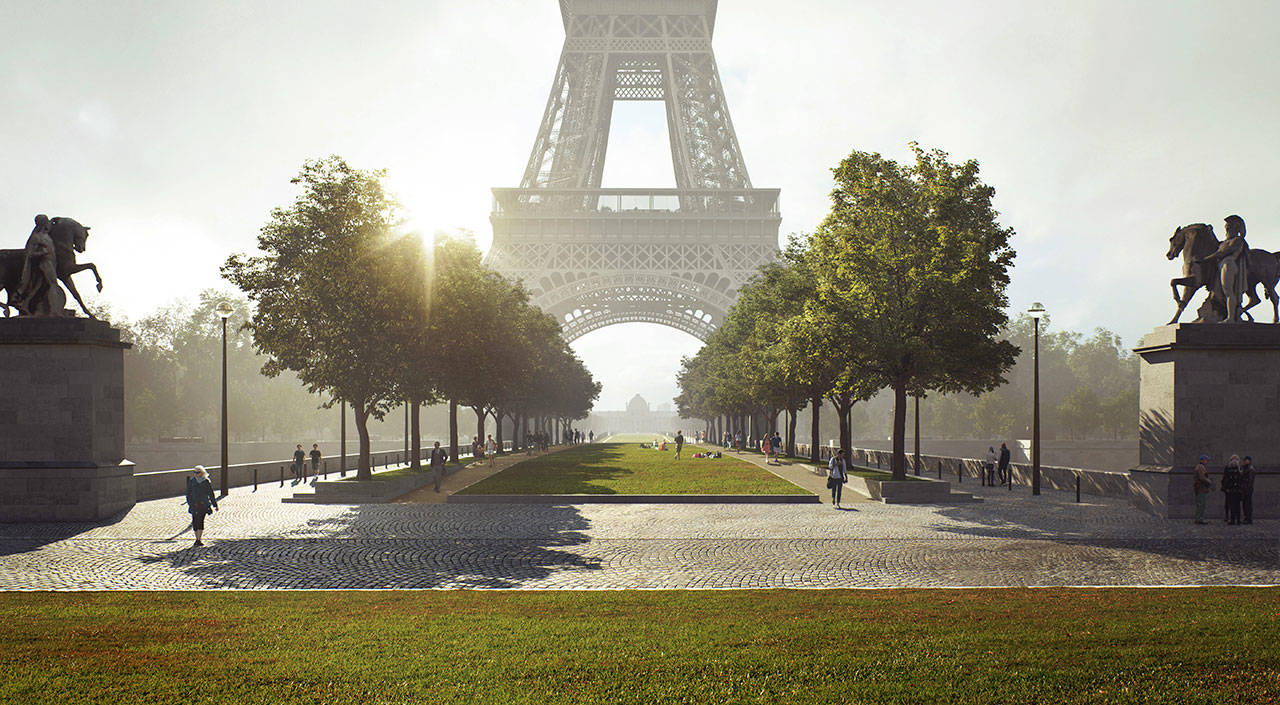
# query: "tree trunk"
{"type": "Point", "coordinates": [815, 442]}
{"type": "Point", "coordinates": [364, 467]}
{"type": "Point", "coordinates": [899, 463]}
{"type": "Point", "coordinates": [844, 409]}
{"type": "Point", "coordinates": [555, 439]}
{"type": "Point", "coordinates": [480, 416]}
{"type": "Point", "coordinates": [415, 431]}
{"type": "Point", "coordinates": [497, 421]}
{"type": "Point", "coordinates": [453, 429]}
{"type": "Point", "coordinates": [792, 416]}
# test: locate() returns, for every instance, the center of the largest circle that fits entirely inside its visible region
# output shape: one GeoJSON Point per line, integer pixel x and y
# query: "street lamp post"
{"type": "Point", "coordinates": [224, 311]}
{"type": "Point", "coordinates": [1036, 311]}
{"type": "Point", "coordinates": [342, 444]}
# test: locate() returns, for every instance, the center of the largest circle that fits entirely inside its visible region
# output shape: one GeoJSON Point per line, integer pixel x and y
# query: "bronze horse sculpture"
{"type": "Point", "coordinates": [69, 237]}
{"type": "Point", "coordinates": [1197, 241]}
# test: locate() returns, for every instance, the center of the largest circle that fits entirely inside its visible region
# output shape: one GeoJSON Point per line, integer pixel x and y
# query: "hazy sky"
{"type": "Point", "coordinates": [172, 128]}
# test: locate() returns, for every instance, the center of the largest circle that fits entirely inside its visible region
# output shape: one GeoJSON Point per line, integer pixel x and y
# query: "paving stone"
{"type": "Point", "coordinates": [1011, 539]}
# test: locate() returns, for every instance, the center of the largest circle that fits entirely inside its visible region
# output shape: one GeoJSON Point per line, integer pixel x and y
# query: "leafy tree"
{"type": "Point", "coordinates": [1080, 412]}
{"type": "Point", "coordinates": [323, 291]}
{"type": "Point", "coordinates": [911, 269]}
{"type": "Point", "coordinates": [1119, 413]}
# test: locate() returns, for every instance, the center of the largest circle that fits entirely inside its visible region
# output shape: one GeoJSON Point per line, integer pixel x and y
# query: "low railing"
{"type": "Point", "coordinates": [173, 483]}
{"type": "Point", "coordinates": [1102, 483]}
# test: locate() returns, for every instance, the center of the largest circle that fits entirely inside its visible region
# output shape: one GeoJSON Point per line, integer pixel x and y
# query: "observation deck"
{"type": "Point", "coordinates": [636, 202]}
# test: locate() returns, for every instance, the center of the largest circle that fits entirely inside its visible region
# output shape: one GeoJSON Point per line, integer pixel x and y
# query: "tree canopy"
{"type": "Point", "coordinates": [365, 313]}
{"type": "Point", "coordinates": [901, 287]}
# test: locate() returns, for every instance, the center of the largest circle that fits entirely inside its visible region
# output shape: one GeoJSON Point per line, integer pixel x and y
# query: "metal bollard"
{"type": "Point", "coordinates": [960, 473]}
{"type": "Point", "coordinates": [326, 469]}
{"type": "Point", "coordinates": [282, 476]}
{"type": "Point", "coordinates": [255, 479]}
{"type": "Point", "coordinates": [1077, 489]}
{"type": "Point", "coordinates": [939, 468]}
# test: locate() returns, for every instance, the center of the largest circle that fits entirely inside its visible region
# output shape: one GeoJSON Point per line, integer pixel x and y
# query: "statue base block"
{"type": "Point", "coordinates": [1207, 389]}
{"type": "Point", "coordinates": [33, 494]}
{"type": "Point", "coordinates": [62, 421]}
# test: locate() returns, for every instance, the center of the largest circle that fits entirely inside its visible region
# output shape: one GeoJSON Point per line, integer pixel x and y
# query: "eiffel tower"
{"type": "Point", "coordinates": [593, 256]}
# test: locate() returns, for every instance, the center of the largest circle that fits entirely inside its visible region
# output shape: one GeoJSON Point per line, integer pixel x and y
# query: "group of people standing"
{"type": "Point", "coordinates": [997, 465]}
{"type": "Point", "coordinates": [1237, 485]}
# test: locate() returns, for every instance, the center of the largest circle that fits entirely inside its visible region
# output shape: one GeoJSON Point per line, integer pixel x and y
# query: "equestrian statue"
{"type": "Point", "coordinates": [1230, 270]}
{"type": "Point", "coordinates": [30, 276]}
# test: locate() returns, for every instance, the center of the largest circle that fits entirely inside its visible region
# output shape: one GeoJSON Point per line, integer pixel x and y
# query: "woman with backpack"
{"type": "Point", "coordinates": [837, 475]}
{"type": "Point", "coordinates": [200, 500]}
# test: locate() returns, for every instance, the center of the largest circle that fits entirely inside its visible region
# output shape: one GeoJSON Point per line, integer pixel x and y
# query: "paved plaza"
{"type": "Point", "coordinates": [1010, 539]}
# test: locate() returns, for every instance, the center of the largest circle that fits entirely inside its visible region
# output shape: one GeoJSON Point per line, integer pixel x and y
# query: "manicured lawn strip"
{"type": "Point", "coordinates": [626, 468]}
{"type": "Point", "coordinates": [879, 646]}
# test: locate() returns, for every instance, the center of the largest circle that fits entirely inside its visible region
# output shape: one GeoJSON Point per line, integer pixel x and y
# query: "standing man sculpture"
{"type": "Point", "coordinates": [30, 276]}
{"type": "Point", "coordinates": [1233, 267]}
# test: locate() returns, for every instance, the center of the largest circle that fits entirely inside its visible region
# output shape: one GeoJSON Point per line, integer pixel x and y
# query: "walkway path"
{"type": "Point", "coordinates": [1010, 539]}
{"type": "Point", "coordinates": [797, 472]}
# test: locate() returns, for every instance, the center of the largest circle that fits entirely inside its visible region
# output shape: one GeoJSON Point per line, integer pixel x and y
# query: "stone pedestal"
{"type": "Point", "coordinates": [1211, 389]}
{"type": "Point", "coordinates": [62, 421]}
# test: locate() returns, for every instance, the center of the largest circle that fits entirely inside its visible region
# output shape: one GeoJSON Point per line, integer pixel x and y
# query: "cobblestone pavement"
{"type": "Point", "coordinates": [255, 542]}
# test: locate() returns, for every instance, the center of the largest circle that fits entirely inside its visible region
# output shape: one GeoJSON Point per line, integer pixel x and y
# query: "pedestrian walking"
{"type": "Point", "coordinates": [1231, 487]}
{"type": "Point", "coordinates": [766, 447]}
{"type": "Point", "coordinates": [679, 443]}
{"type": "Point", "coordinates": [837, 475]}
{"type": "Point", "coordinates": [776, 442]}
{"type": "Point", "coordinates": [299, 462]}
{"type": "Point", "coordinates": [200, 500]}
{"type": "Point", "coordinates": [475, 447]}
{"type": "Point", "coordinates": [1004, 463]}
{"type": "Point", "coordinates": [1202, 484]}
{"type": "Point", "coordinates": [591, 437]}
{"type": "Point", "coordinates": [737, 442]}
{"type": "Point", "coordinates": [1247, 475]}
{"type": "Point", "coordinates": [490, 448]}
{"type": "Point", "coordinates": [990, 465]}
{"type": "Point", "coordinates": [439, 456]}
{"type": "Point", "coordinates": [315, 459]}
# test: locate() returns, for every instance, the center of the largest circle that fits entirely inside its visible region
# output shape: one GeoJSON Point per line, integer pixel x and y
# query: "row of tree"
{"type": "Point", "coordinates": [367, 315]}
{"type": "Point", "coordinates": [172, 378]}
{"type": "Point", "coordinates": [1088, 390]}
{"type": "Point", "coordinates": [901, 288]}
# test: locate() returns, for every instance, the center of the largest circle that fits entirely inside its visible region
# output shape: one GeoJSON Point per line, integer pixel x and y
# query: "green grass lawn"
{"type": "Point", "coordinates": [626, 468]}
{"type": "Point", "coordinates": [830, 646]}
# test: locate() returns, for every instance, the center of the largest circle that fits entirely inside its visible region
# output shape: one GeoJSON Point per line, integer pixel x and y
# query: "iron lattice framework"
{"type": "Point", "coordinates": [593, 256]}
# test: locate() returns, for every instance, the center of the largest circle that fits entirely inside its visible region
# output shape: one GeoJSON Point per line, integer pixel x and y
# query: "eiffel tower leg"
{"type": "Point", "coordinates": [702, 125]}
{"type": "Point", "coordinates": [570, 148]}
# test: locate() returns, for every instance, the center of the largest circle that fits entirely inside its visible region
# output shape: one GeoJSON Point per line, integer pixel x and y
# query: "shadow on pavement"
{"type": "Point", "coordinates": [18, 538]}
{"type": "Point", "coordinates": [360, 550]}
{"type": "Point", "coordinates": [1104, 526]}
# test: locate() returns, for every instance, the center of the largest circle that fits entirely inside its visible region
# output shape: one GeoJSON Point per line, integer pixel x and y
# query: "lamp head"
{"type": "Point", "coordinates": [1036, 310]}
{"type": "Point", "coordinates": [224, 310]}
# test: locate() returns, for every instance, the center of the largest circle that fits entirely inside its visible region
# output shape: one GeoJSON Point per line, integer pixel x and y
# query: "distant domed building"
{"type": "Point", "coordinates": [638, 406]}
{"type": "Point", "coordinates": [639, 417]}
